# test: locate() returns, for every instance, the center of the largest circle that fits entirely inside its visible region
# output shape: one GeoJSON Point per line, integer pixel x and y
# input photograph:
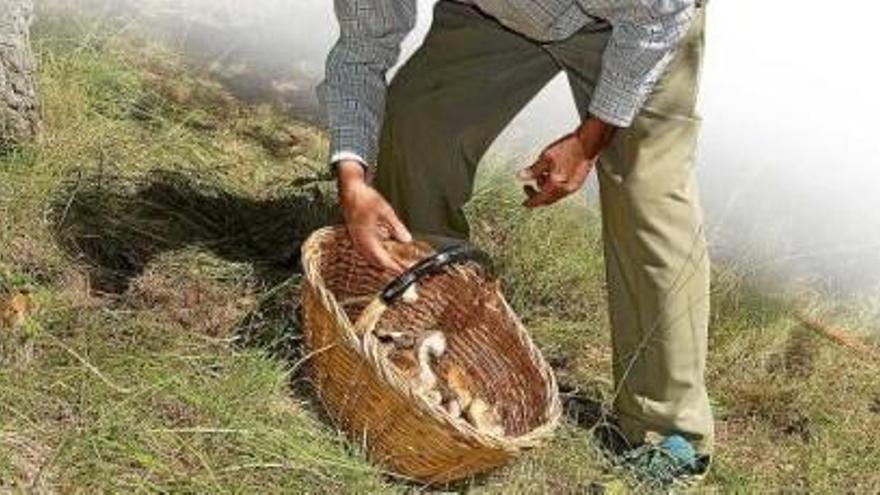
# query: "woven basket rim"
{"type": "Point", "coordinates": [368, 349]}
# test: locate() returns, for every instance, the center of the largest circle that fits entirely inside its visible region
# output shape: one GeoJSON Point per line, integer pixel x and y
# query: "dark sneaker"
{"type": "Point", "coordinates": [670, 461]}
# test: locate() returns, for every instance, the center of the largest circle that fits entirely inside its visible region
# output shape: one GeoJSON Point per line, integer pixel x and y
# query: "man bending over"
{"type": "Point", "coordinates": [405, 155]}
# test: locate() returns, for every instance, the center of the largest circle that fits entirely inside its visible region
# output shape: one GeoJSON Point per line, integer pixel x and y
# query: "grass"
{"type": "Point", "coordinates": [156, 223]}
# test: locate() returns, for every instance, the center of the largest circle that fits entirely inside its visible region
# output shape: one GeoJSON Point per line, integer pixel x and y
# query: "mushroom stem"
{"type": "Point", "coordinates": [432, 345]}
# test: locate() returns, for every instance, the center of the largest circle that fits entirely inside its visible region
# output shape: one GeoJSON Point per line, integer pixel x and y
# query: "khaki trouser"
{"type": "Point", "coordinates": [457, 93]}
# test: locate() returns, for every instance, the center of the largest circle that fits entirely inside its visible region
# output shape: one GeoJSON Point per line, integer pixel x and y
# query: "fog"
{"type": "Point", "coordinates": [788, 159]}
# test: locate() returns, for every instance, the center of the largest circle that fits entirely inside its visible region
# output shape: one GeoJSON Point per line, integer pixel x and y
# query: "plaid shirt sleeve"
{"type": "Point", "coordinates": [644, 36]}
{"type": "Point", "coordinates": [353, 91]}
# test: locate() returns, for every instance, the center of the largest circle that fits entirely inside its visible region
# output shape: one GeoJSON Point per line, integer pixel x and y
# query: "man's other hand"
{"type": "Point", "coordinates": [563, 167]}
{"type": "Point", "coordinates": [369, 219]}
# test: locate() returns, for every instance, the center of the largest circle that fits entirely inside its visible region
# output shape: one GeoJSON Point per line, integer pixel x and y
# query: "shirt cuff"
{"type": "Point", "coordinates": [617, 101]}
{"type": "Point", "coordinates": [348, 155]}
{"type": "Point", "coordinates": [344, 155]}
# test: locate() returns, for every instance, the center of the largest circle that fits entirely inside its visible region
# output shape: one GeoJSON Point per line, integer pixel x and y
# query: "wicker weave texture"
{"type": "Point", "coordinates": [376, 405]}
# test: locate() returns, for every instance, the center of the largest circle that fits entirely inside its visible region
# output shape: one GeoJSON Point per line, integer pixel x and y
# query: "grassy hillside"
{"type": "Point", "coordinates": [155, 226]}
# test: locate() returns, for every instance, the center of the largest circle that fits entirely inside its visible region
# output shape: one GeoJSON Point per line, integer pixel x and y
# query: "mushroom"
{"type": "Point", "coordinates": [484, 417]}
{"type": "Point", "coordinates": [431, 346]}
{"type": "Point", "coordinates": [410, 295]}
{"type": "Point", "coordinates": [414, 360]}
{"type": "Point", "coordinates": [453, 408]}
{"type": "Point", "coordinates": [528, 179]}
{"type": "Point", "coordinates": [405, 361]}
{"type": "Point", "coordinates": [459, 384]}
{"type": "Point", "coordinates": [396, 339]}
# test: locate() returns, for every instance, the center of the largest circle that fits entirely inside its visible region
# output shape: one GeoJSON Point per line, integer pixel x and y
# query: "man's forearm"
{"type": "Point", "coordinates": [353, 91]}
{"type": "Point", "coordinates": [642, 43]}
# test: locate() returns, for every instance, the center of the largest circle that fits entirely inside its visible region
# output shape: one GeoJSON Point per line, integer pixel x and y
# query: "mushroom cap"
{"type": "Point", "coordinates": [433, 344]}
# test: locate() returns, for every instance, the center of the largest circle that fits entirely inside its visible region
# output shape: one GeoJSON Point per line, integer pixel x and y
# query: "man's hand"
{"type": "Point", "coordinates": [563, 166]}
{"type": "Point", "coordinates": [369, 219]}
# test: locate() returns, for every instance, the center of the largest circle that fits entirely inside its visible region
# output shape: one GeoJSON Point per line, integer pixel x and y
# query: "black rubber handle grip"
{"type": "Point", "coordinates": [460, 253]}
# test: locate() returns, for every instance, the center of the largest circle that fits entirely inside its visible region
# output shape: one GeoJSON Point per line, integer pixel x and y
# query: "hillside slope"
{"type": "Point", "coordinates": [155, 227]}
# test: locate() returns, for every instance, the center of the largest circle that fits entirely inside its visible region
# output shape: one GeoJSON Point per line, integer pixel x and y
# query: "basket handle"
{"type": "Point", "coordinates": [455, 254]}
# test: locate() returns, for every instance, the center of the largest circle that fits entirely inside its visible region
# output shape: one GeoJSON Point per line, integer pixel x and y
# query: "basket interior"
{"type": "Point", "coordinates": [482, 337]}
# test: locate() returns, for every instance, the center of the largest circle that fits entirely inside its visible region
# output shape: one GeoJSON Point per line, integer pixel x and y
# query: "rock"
{"type": "Point", "coordinates": [19, 112]}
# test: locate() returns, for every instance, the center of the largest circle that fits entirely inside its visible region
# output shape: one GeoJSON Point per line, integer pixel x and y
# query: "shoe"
{"type": "Point", "coordinates": [671, 460]}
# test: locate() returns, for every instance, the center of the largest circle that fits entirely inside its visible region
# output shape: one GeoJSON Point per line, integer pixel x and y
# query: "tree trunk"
{"type": "Point", "coordinates": [18, 97]}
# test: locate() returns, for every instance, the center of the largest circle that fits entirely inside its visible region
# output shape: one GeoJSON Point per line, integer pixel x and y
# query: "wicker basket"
{"type": "Point", "coordinates": [378, 408]}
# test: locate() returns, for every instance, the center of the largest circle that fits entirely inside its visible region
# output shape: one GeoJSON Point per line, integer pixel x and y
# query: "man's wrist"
{"type": "Point", "coordinates": [349, 173]}
{"type": "Point", "coordinates": [595, 135]}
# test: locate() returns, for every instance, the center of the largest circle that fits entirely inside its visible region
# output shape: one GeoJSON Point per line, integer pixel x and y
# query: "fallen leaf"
{"type": "Point", "coordinates": [14, 309]}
